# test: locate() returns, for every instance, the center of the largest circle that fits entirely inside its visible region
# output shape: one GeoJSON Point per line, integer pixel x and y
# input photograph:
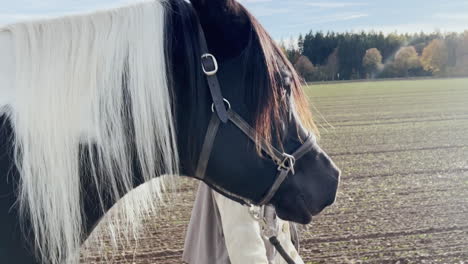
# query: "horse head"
{"type": "Point", "coordinates": [262, 87]}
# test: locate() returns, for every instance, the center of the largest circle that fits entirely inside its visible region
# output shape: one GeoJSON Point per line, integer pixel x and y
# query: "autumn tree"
{"type": "Point", "coordinates": [304, 67]}
{"type": "Point", "coordinates": [372, 61]}
{"type": "Point", "coordinates": [407, 59]}
{"type": "Point", "coordinates": [434, 57]}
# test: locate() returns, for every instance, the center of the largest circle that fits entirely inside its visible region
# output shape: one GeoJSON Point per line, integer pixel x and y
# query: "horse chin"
{"type": "Point", "coordinates": [299, 213]}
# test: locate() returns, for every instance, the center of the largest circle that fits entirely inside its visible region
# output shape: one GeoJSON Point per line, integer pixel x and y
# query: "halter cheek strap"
{"type": "Point", "coordinates": [207, 147]}
{"type": "Point", "coordinates": [222, 113]}
{"type": "Point", "coordinates": [210, 68]}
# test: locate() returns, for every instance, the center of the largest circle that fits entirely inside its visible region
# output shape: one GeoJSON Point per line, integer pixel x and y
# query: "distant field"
{"type": "Point", "coordinates": [403, 149]}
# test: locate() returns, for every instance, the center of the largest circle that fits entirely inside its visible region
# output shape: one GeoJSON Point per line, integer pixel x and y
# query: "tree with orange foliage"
{"type": "Point", "coordinates": [406, 59]}
{"type": "Point", "coordinates": [372, 61]}
{"type": "Point", "coordinates": [435, 57]}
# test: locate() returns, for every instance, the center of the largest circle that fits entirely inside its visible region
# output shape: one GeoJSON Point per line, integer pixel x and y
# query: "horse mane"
{"type": "Point", "coordinates": [96, 80]}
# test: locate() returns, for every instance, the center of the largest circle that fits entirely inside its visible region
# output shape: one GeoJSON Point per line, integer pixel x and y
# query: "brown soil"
{"type": "Point", "coordinates": [403, 198]}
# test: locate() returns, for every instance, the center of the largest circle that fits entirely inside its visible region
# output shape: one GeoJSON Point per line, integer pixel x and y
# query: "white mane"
{"type": "Point", "coordinates": [7, 70]}
{"type": "Point", "coordinates": [68, 91]}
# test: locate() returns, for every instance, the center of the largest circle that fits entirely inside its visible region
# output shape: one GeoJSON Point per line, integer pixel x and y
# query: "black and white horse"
{"type": "Point", "coordinates": [92, 106]}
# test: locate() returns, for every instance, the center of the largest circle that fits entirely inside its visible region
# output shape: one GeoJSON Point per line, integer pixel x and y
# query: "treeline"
{"type": "Point", "coordinates": [319, 56]}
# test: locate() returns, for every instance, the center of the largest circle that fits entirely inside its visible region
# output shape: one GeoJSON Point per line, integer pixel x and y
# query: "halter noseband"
{"type": "Point", "coordinates": [222, 112]}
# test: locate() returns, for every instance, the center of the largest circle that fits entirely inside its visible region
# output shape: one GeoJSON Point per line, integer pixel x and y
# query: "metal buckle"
{"type": "Point", "coordinates": [213, 60]}
{"type": "Point", "coordinates": [226, 102]}
{"type": "Point", "coordinates": [287, 163]}
{"type": "Point", "coordinates": [258, 214]}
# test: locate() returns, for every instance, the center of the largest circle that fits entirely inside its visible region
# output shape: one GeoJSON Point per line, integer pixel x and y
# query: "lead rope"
{"type": "Point", "coordinates": [270, 233]}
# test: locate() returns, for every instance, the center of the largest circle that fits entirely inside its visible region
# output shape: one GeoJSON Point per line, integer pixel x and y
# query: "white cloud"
{"type": "Point", "coordinates": [452, 16]}
{"type": "Point", "coordinates": [412, 28]}
{"type": "Point", "coordinates": [335, 4]}
{"type": "Point", "coordinates": [317, 20]}
{"type": "Point", "coordinates": [269, 11]}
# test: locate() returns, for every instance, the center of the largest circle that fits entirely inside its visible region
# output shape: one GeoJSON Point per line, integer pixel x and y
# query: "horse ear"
{"type": "Point", "coordinates": [226, 26]}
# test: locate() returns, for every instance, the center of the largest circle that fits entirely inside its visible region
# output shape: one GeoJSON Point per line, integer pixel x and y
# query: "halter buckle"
{"type": "Point", "coordinates": [209, 64]}
{"type": "Point", "coordinates": [287, 163]}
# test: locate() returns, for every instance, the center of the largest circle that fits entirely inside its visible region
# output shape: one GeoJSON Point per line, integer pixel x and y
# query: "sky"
{"type": "Point", "coordinates": [286, 19]}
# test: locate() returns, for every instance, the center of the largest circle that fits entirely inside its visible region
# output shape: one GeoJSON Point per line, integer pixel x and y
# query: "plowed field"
{"type": "Point", "coordinates": [403, 150]}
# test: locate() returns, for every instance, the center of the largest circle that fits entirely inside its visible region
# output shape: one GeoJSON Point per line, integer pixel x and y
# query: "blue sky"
{"type": "Point", "coordinates": [287, 18]}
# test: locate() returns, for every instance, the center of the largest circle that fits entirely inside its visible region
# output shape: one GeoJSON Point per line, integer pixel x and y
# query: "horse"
{"type": "Point", "coordinates": [93, 106]}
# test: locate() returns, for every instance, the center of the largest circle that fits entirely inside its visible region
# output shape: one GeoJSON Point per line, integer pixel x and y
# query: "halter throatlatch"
{"type": "Point", "coordinates": [222, 113]}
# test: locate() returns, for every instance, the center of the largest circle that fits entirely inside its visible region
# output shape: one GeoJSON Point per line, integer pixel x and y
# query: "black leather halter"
{"type": "Point", "coordinates": [222, 113]}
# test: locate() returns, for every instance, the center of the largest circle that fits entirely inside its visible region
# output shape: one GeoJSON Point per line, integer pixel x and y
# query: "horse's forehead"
{"type": "Point", "coordinates": [7, 68]}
